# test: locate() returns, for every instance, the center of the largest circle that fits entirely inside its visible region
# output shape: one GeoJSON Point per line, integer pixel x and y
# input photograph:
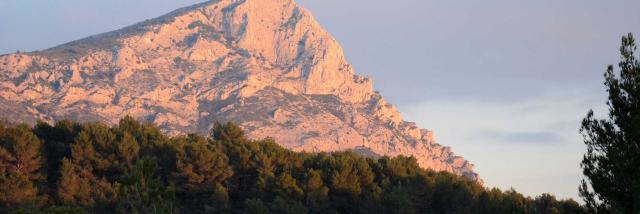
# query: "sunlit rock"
{"type": "Point", "coordinates": [264, 64]}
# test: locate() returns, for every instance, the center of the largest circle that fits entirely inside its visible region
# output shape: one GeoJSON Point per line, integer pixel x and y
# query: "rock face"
{"type": "Point", "coordinates": [265, 64]}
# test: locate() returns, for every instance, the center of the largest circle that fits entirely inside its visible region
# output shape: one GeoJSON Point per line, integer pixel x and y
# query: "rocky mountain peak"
{"type": "Point", "coordinates": [265, 64]}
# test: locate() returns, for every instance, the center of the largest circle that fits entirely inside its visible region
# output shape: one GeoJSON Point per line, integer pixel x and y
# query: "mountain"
{"type": "Point", "coordinates": [267, 65]}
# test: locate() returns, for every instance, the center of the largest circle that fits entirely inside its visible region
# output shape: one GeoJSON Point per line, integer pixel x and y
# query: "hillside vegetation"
{"type": "Point", "coordinates": [135, 168]}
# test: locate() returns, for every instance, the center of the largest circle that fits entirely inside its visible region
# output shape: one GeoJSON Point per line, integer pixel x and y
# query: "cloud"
{"type": "Point", "coordinates": [533, 137]}
{"type": "Point", "coordinates": [530, 144]}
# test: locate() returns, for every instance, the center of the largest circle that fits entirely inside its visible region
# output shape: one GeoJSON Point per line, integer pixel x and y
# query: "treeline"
{"type": "Point", "coordinates": [135, 168]}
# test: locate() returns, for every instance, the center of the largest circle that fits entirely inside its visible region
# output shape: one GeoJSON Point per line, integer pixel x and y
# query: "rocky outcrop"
{"type": "Point", "coordinates": [265, 64]}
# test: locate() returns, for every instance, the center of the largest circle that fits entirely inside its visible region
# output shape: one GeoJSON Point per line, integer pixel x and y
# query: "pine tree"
{"type": "Point", "coordinates": [254, 206]}
{"type": "Point", "coordinates": [74, 187]}
{"type": "Point", "coordinates": [316, 192]}
{"type": "Point", "coordinates": [20, 164]}
{"type": "Point", "coordinates": [16, 190]}
{"type": "Point", "coordinates": [201, 169]}
{"type": "Point", "coordinates": [95, 168]}
{"type": "Point", "coordinates": [612, 161]}
{"type": "Point", "coordinates": [20, 152]}
{"type": "Point", "coordinates": [57, 142]}
{"type": "Point", "coordinates": [142, 191]}
{"type": "Point", "coordinates": [229, 132]}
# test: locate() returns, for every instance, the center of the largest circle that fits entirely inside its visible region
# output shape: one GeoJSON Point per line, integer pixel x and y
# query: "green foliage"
{"type": "Point", "coordinates": [201, 163]}
{"type": "Point", "coordinates": [57, 145]}
{"type": "Point", "coordinates": [20, 165]}
{"type": "Point", "coordinates": [254, 206]}
{"type": "Point", "coordinates": [204, 31]}
{"type": "Point", "coordinates": [75, 187]}
{"type": "Point", "coordinates": [16, 190]}
{"type": "Point", "coordinates": [134, 168]}
{"type": "Point", "coordinates": [611, 163]}
{"type": "Point", "coordinates": [20, 153]}
{"type": "Point", "coordinates": [284, 206]}
{"type": "Point", "coordinates": [317, 193]}
{"type": "Point", "coordinates": [142, 192]}
{"type": "Point", "coordinates": [51, 210]}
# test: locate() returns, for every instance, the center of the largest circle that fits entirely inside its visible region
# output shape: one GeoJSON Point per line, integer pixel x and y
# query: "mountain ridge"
{"type": "Point", "coordinates": [278, 74]}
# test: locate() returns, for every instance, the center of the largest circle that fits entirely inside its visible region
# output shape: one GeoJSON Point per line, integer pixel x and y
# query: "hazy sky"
{"type": "Point", "coordinates": [504, 82]}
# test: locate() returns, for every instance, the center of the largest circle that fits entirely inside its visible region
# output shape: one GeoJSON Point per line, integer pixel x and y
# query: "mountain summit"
{"type": "Point", "coordinates": [264, 64]}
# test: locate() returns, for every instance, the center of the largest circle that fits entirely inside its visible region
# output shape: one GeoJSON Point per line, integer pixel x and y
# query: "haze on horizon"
{"type": "Point", "coordinates": [504, 83]}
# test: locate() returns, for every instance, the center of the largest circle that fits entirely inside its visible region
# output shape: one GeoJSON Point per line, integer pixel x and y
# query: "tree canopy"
{"type": "Point", "coordinates": [133, 167]}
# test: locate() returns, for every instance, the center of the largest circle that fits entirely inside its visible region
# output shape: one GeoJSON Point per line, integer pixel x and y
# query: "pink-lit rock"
{"type": "Point", "coordinates": [265, 64]}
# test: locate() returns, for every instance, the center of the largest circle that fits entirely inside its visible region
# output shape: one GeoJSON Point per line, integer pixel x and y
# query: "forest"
{"type": "Point", "coordinates": [132, 167]}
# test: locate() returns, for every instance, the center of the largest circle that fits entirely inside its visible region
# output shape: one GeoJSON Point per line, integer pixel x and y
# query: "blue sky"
{"type": "Point", "coordinates": [504, 82]}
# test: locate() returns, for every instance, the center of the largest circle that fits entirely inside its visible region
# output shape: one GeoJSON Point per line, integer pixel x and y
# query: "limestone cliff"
{"type": "Point", "coordinates": [265, 64]}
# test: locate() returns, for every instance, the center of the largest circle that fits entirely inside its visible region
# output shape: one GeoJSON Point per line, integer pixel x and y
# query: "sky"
{"type": "Point", "coordinates": [505, 83]}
